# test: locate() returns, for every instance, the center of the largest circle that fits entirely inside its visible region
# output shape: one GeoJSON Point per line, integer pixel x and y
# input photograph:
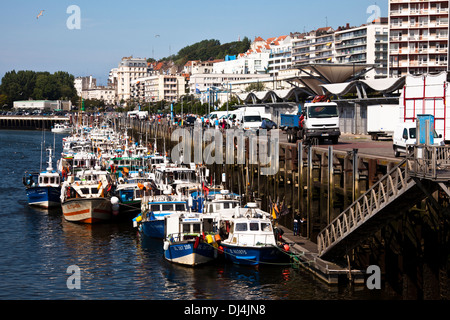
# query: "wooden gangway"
{"type": "Point", "coordinates": [408, 183]}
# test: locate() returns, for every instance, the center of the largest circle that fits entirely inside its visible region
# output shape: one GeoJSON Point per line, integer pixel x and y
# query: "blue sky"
{"type": "Point", "coordinates": [110, 30]}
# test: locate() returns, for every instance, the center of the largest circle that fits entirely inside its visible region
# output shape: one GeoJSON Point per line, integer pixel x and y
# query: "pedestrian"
{"type": "Point", "coordinates": [297, 219]}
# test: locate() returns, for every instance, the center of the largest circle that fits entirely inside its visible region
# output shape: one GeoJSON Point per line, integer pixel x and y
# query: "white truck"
{"type": "Point", "coordinates": [321, 121]}
{"type": "Point", "coordinates": [426, 94]}
{"type": "Point", "coordinates": [382, 119]}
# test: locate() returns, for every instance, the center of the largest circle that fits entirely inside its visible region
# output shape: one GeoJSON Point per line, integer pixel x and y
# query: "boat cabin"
{"type": "Point", "coordinates": [251, 232]}
{"type": "Point", "coordinates": [185, 226]}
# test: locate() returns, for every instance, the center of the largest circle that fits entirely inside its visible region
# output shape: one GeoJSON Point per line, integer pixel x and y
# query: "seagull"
{"type": "Point", "coordinates": [40, 14]}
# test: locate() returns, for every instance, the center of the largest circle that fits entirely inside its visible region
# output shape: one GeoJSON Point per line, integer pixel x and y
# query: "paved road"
{"type": "Point", "coordinates": [364, 144]}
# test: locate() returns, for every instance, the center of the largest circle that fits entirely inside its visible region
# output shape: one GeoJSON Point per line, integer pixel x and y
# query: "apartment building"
{"type": "Point", "coordinates": [367, 44]}
{"type": "Point", "coordinates": [107, 94]}
{"type": "Point", "coordinates": [129, 69]}
{"type": "Point", "coordinates": [280, 55]}
{"type": "Point", "coordinates": [419, 37]}
{"type": "Point", "coordinates": [313, 47]}
{"type": "Point", "coordinates": [84, 83]}
{"type": "Point", "coordinates": [158, 88]}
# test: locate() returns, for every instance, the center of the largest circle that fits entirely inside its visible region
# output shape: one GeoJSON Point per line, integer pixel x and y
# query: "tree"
{"type": "Point", "coordinates": [24, 85]}
{"type": "Point", "coordinates": [256, 86]}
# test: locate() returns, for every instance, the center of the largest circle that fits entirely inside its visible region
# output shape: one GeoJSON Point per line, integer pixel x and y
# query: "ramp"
{"type": "Point", "coordinates": [385, 201]}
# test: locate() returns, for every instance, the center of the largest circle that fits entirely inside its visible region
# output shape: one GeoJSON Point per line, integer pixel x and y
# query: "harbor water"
{"type": "Point", "coordinates": [37, 247]}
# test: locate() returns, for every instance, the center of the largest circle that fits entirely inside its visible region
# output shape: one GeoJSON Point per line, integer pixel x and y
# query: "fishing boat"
{"type": "Point", "coordinates": [150, 221]}
{"type": "Point", "coordinates": [184, 241]}
{"type": "Point", "coordinates": [85, 198]}
{"type": "Point", "coordinates": [61, 128]}
{"type": "Point", "coordinates": [251, 239]}
{"type": "Point", "coordinates": [43, 189]}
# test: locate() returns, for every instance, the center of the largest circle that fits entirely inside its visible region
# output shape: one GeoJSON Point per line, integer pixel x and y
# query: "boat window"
{"type": "Point", "coordinates": [167, 207]}
{"type": "Point", "coordinates": [45, 179]}
{"type": "Point", "coordinates": [226, 205]}
{"type": "Point", "coordinates": [179, 207]}
{"type": "Point", "coordinates": [94, 190]}
{"type": "Point", "coordinates": [241, 227]}
{"type": "Point", "coordinates": [154, 207]}
{"type": "Point", "coordinates": [84, 190]}
{"type": "Point", "coordinates": [254, 226]}
{"type": "Point", "coordinates": [266, 226]}
{"type": "Point", "coordinates": [211, 208]}
{"type": "Point", "coordinates": [186, 227]}
{"type": "Point", "coordinates": [196, 227]}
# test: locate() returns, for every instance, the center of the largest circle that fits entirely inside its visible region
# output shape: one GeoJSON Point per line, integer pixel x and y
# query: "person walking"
{"type": "Point", "coordinates": [297, 221]}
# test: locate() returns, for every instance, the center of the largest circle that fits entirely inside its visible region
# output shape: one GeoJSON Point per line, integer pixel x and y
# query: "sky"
{"type": "Point", "coordinates": [95, 40]}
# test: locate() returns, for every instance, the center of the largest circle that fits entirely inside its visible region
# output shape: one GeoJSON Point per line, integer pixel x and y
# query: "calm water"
{"type": "Point", "coordinates": [37, 247]}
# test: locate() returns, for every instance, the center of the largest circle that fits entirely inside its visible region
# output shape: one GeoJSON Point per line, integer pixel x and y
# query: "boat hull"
{"type": "Point", "coordinates": [44, 197]}
{"type": "Point", "coordinates": [87, 210]}
{"type": "Point", "coordinates": [153, 228]}
{"type": "Point", "coordinates": [186, 253]}
{"type": "Point", "coordinates": [253, 256]}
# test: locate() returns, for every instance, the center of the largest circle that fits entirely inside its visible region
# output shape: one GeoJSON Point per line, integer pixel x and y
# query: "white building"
{"type": "Point", "coordinates": [107, 94]}
{"type": "Point", "coordinates": [43, 105]}
{"type": "Point", "coordinates": [84, 83]}
{"type": "Point", "coordinates": [158, 88]}
{"type": "Point", "coordinates": [280, 55]}
{"type": "Point", "coordinates": [365, 44]}
{"type": "Point", "coordinates": [313, 47]}
{"type": "Point", "coordinates": [129, 69]}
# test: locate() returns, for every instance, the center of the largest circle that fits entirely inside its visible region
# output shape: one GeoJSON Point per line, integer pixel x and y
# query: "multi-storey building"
{"type": "Point", "coordinates": [419, 36]}
{"type": "Point", "coordinates": [84, 83]}
{"type": "Point", "coordinates": [129, 69]}
{"type": "Point", "coordinates": [107, 94]}
{"type": "Point", "coordinates": [367, 44]}
{"type": "Point", "coordinates": [158, 88]}
{"type": "Point", "coordinates": [313, 47]}
{"type": "Point", "coordinates": [280, 55]}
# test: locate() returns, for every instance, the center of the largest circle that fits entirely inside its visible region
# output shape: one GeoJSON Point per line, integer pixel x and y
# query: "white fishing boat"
{"type": "Point", "coordinates": [184, 242]}
{"type": "Point", "coordinates": [251, 239]}
{"type": "Point", "coordinates": [85, 198]}
{"type": "Point", "coordinates": [61, 128]}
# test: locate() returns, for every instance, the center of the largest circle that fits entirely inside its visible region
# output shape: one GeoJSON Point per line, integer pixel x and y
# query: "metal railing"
{"type": "Point", "coordinates": [374, 200]}
{"type": "Point", "coordinates": [430, 162]}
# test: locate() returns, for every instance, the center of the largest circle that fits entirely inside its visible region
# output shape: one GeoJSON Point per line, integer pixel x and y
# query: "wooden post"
{"type": "Point", "coordinates": [330, 183]}
{"type": "Point", "coordinates": [309, 187]}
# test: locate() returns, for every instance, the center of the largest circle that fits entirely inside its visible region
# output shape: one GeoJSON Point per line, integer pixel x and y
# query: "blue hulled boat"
{"type": "Point", "coordinates": [43, 189]}
{"type": "Point", "coordinates": [151, 220]}
{"type": "Point", "coordinates": [184, 242]}
{"type": "Point", "coordinates": [251, 240]}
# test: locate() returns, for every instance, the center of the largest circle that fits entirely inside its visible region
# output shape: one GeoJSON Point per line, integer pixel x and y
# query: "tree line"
{"type": "Point", "coordinates": [209, 50]}
{"type": "Point", "coordinates": [25, 85]}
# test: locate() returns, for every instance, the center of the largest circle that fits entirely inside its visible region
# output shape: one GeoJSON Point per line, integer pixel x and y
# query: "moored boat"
{"type": "Point", "coordinates": [151, 220]}
{"type": "Point", "coordinates": [61, 128]}
{"type": "Point", "coordinates": [251, 240]}
{"type": "Point", "coordinates": [43, 189]}
{"type": "Point", "coordinates": [84, 200]}
{"type": "Point", "coordinates": [184, 242]}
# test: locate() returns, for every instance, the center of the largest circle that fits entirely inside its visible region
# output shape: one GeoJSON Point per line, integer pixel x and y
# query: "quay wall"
{"type": "Point", "coordinates": [318, 183]}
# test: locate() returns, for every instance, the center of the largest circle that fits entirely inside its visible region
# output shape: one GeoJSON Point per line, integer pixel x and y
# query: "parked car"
{"type": "Point", "coordinates": [268, 124]}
